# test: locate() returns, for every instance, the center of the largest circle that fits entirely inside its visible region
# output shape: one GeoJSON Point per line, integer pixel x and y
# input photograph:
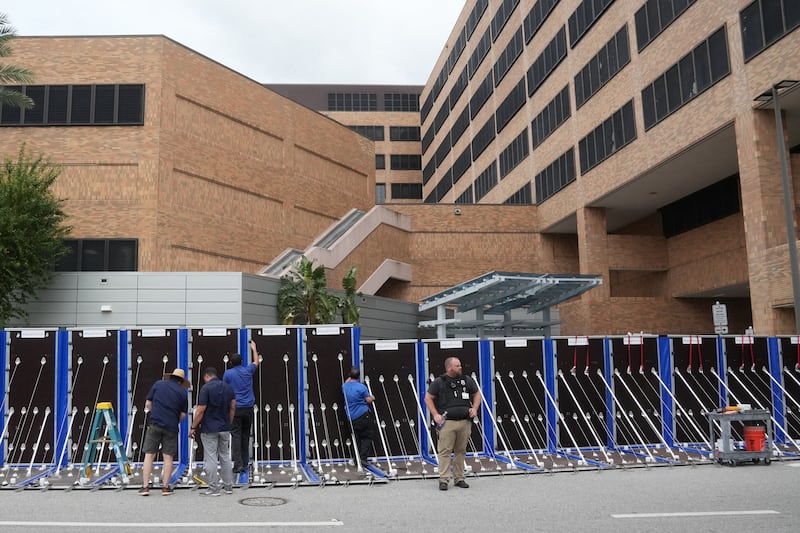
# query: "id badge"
{"type": "Point", "coordinates": [465, 395]}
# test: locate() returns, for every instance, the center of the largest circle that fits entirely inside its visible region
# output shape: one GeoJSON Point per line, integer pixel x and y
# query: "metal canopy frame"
{"type": "Point", "coordinates": [497, 293]}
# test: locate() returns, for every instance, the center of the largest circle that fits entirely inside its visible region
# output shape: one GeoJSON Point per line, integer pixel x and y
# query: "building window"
{"type": "Point", "coordinates": [694, 73]}
{"type": "Point", "coordinates": [481, 95]}
{"type": "Point", "coordinates": [458, 88]}
{"type": "Point", "coordinates": [551, 117]}
{"type": "Point", "coordinates": [460, 125]}
{"type": "Point", "coordinates": [609, 137]}
{"type": "Point", "coordinates": [508, 56]}
{"type": "Point", "coordinates": [510, 105]}
{"type": "Point", "coordinates": [461, 164]}
{"type": "Point", "coordinates": [442, 151]}
{"type": "Point", "coordinates": [584, 16]}
{"type": "Point", "coordinates": [406, 162]}
{"type": "Point", "coordinates": [78, 105]}
{"type": "Point", "coordinates": [100, 255]}
{"type": "Point", "coordinates": [401, 102]}
{"type": "Point", "coordinates": [536, 17]}
{"type": "Point", "coordinates": [380, 162]}
{"type": "Point", "coordinates": [483, 138]}
{"type": "Point", "coordinates": [427, 172]}
{"type": "Point", "coordinates": [654, 16]}
{"type": "Point", "coordinates": [556, 176]}
{"type": "Point", "coordinates": [352, 102]}
{"type": "Point", "coordinates": [547, 61]}
{"type": "Point", "coordinates": [481, 49]}
{"type": "Point", "coordinates": [465, 197]}
{"type": "Point", "coordinates": [521, 197]}
{"type": "Point", "coordinates": [475, 16]}
{"type": "Point", "coordinates": [441, 117]}
{"type": "Point", "coordinates": [404, 133]}
{"type": "Point", "coordinates": [374, 133]}
{"type": "Point", "coordinates": [406, 191]}
{"type": "Point", "coordinates": [426, 108]}
{"type": "Point", "coordinates": [486, 181]}
{"type": "Point", "coordinates": [602, 67]}
{"type": "Point", "coordinates": [514, 153]}
{"type": "Point", "coordinates": [444, 185]}
{"type": "Point", "coordinates": [380, 193]}
{"type": "Point", "coordinates": [455, 52]}
{"type": "Point", "coordinates": [427, 139]}
{"type": "Point", "coordinates": [501, 16]}
{"type": "Point", "coordinates": [715, 202]}
{"type": "Point", "coordinates": [765, 21]}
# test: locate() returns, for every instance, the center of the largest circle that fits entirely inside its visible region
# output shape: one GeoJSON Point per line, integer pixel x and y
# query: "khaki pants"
{"type": "Point", "coordinates": [453, 439]}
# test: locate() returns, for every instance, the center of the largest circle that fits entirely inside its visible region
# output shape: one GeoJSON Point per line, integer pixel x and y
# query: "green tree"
{"type": "Point", "coordinates": [303, 297]}
{"type": "Point", "coordinates": [32, 230]}
{"type": "Point", "coordinates": [9, 74]}
{"type": "Point", "coordinates": [350, 310]}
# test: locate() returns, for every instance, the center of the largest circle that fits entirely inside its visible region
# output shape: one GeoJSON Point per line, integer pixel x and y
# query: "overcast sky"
{"type": "Point", "coordinates": [271, 41]}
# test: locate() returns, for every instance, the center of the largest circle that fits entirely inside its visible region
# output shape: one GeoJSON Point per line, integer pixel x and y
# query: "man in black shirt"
{"type": "Point", "coordinates": [214, 413]}
{"type": "Point", "coordinates": [453, 400]}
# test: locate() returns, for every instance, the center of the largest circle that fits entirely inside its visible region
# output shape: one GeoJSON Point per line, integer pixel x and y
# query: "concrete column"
{"type": "Point", "coordinates": [764, 223]}
{"type": "Point", "coordinates": [593, 259]}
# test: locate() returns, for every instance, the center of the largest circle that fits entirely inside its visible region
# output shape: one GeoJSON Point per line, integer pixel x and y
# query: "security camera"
{"type": "Point", "coordinates": [457, 211]}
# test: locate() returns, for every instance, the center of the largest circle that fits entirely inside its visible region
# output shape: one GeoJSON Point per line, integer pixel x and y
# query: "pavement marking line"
{"type": "Point", "coordinates": [794, 465]}
{"type": "Point", "coordinates": [699, 513]}
{"type": "Point", "coordinates": [111, 525]}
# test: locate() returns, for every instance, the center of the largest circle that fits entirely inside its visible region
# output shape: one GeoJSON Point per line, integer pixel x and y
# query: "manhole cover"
{"type": "Point", "coordinates": [262, 502]}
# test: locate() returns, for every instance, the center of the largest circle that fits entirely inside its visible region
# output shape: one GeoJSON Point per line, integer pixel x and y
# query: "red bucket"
{"type": "Point", "coordinates": [754, 438]}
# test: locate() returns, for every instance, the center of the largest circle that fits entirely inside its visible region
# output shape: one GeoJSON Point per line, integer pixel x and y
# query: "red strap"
{"type": "Point", "coordinates": [575, 355]}
{"type": "Point", "coordinates": [700, 354]}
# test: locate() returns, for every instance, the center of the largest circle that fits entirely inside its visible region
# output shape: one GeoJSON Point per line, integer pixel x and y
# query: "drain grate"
{"type": "Point", "coordinates": [262, 502]}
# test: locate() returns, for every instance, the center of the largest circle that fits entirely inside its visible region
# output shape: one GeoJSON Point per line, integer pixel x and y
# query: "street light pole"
{"type": "Point", "coordinates": [788, 207]}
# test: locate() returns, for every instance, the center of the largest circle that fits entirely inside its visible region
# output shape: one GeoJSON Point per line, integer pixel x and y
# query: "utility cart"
{"type": "Point", "coordinates": [724, 451]}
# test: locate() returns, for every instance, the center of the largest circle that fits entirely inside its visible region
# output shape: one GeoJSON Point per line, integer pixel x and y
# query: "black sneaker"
{"type": "Point", "coordinates": [461, 483]}
{"type": "Point", "coordinates": [442, 485]}
{"type": "Point", "coordinates": [144, 491]}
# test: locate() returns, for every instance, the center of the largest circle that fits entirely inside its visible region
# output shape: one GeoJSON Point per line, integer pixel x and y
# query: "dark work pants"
{"type": "Point", "coordinates": [363, 427]}
{"type": "Point", "coordinates": [240, 437]}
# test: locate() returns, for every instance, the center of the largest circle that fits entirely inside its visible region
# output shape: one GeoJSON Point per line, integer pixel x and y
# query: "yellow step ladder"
{"type": "Point", "coordinates": [104, 430]}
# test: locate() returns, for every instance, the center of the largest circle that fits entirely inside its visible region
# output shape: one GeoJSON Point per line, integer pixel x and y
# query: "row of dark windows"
{"type": "Point", "coordinates": [427, 172]}
{"type": "Point", "coordinates": [458, 88]}
{"type": "Point", "coordinates": [486, 181]}
{"type": "Point", "coordinates": [426, 108]}
{"type": "Point", "coordinates": [461, 164]}
{"type": "Point", "coordinates": [516, 151]}
{"type": "Point", "coordinates": [380, 162]}
{"type": "Point", "coordinates": [521, 197]}
{"type": "Point", "coordinates": [99, 255]}
{"type": "Point", "coordinates": [439, 119]}
{"type": "Point", "coordinates": [401, 102]}
{"type": "Point", "coordinates": [694, 73]}
{"type": "Point", "coordinates": [465, 197]}
{"type": "Point", "coordinates": [455, 52]}
{"type": "Point", "coordinates": [427, 139]}
{"type": "Point", "coordinates": [584, 16]}
{"type": "Point", "coordinates": [440, 190]}
{"type": "Point", "coordinates": [405, 162]}
{"type": "Point", "coordinates": [480, 52]}
{"type": "Point", "coordinates": [374, 133]}
{"type": "Point", "coordinates": [443, 150]}
{"type": "Point", "coordinates": [712, 203]}
{"type": "Point", "coordinates": [602, 67]}
{"type": "Point", "coordinates": [483, 138]}
{"type": "Point", "coordinates": [654, 16]}
{"type": "Point", "coordinates": [481, 95]}
{"type": "Point", "coordinates": [555, 176]}
{"type": "Point", "coordinates": [765, 21]}
{"type": "Point", "coordinates": [508, 56]}
{"type": "Point", "coordinates": [607, 138]}
{"type": "Point", "coordinates": [460, 125]}
{"type": "Point", "coordinates": [352, 102]}
{"type": "Point", "coordinates": [555, 113]}
{"type": "Point", "coordinates": [501, 16]}
{"type": "Point", "coordinates": [403, 133]}
{"type": "Point", "coordinates": [548, 60]}
{"type": "Point", "coordinates": [441, 79]}
{"type": "Point", "coordinates": [536, 17]}
{"type": "Point", "coordinates": [510, 105]}
{"type": "Point", "coordinates": [73, 105]}
{"type": "Point", "coordinates": [475, 16]}
{"type": "Point", "coordinates": [407, 191]}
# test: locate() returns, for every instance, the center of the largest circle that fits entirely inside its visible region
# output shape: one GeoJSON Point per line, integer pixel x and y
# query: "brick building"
{"type": "Point", "coordinates": [619, 138]}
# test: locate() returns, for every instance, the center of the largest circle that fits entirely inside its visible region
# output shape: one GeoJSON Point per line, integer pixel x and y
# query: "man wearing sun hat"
{"type": "Point", "coordinates": [167, 404]}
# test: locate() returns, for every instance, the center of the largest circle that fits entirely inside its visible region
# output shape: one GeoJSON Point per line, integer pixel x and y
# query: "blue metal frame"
{"type": "Point", "coordinates": [665, 365]}
{"type": "Point", "coordinates": [62, 392]}
{"type": "Point", "coordinates": [182, 342]}
{"type": "Point", "coordinates": [123, 380]}
{"type": "Point", "coordinates": [722, 372]}
{"type": "Point", "coordinates": [487, 373]}
{"type": "Point", "coordinates": [424, 443]}
{"type": "Point", "coordinates": [608, 363]}
{"type": "Point", "coordinates": [301, 401]}
{"type": "Point", "coordinates": [778, 401]}
{"type": "Point", "coordinates": [550, 381]}
{"type": "Point", "coordinates": [3, 363]}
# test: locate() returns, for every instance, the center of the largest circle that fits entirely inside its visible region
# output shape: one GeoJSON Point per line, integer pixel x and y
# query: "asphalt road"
{"type": "Point", "coordinates": [708, 498]}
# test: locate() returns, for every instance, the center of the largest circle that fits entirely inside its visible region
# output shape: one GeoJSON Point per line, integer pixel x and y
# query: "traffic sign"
{"type": "Point", "coordinates": [721, 330]}
{"type": "Point", "coordinates": [720, 314]}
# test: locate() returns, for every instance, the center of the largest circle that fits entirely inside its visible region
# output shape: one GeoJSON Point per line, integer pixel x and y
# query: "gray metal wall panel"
{"type": "Point", "coordinates": [107, 295]}
{"type": "Point", "coordinates": [108, 280]}
{"type": "Point", "coordinates": [214, 280]}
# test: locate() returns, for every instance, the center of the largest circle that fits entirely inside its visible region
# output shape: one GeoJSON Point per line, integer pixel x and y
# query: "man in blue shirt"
{"type": "Point", "coordinates": [357, 400]}
{"type": "Point", "coordinates": [214, 414]}
{"type": "Point", "coordinates": [240, 377]}
{"type": "Point", "coordinates": [167, 404]}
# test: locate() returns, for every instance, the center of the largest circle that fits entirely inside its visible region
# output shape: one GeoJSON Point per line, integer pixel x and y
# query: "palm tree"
{"type": "Point", "coordinates": [9, 74]}
{"type": "Point", "coordinates": [303, 297]}
{"type": "Point", "coordinates": [350, 311]}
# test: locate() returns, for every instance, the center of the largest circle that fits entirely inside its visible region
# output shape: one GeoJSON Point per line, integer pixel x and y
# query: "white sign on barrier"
{"type": "Point", "coordinates": [154, 332]}
{"type": "Point", "coordinates": [327, 330]}
{"type": "Point", "coordinates": [215, 332]}
{"type": "Point", "coordinates": [386, 346]}
{"type": "Point", "coordinates": [692, 340]}
{"type": "Point", "coordinates": [720, 314]}
{"type": "Point", "coordinates": [516, 343]}
{"type": "Point", "coordinates": [449, 345]}
{"type": "Point", "coordinates": [578, 341]}
{"type": "Point", "coordinates": [721, 330]}
{"type": "Point", "coordinates": [274, 331]}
